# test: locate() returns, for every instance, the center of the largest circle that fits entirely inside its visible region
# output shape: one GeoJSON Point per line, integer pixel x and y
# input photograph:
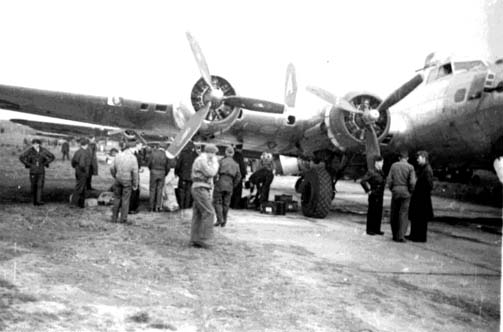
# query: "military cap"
{"type": "Point", "coordinates": [210, 148]}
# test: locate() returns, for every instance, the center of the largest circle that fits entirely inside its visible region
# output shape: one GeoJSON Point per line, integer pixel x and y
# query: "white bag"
{"type": "Point", "coordinates": [169, 202]}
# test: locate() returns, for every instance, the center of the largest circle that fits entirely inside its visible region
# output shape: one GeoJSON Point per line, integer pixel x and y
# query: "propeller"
{"type": "Point", "coordinates": [217, 96]}
{"type": "Point", "coordinates": [369, 115]}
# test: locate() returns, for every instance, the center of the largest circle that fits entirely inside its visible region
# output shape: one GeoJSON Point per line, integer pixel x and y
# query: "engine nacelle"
{"type": "Point", "coordinates": [347, 130]}
{"type": "Point", "coordinates": [220, 116]}
{"type": "Point", "coordinates": [291, 165]}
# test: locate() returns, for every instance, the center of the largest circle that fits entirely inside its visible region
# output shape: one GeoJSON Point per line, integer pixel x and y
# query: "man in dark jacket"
{"type": "Point", "coordinates": [94, 162]}
{"type": "Point", "coordinates": [262, 178]}
{"type": "Point", "coordinates": [139, 153]}
{"type": "Point", "coordinates": [238, 189]}
{"type": "Point", "coordinates": [373, 183]}
{"type": "Point", "coordinates": [183, 169]}
{"type": "Point", "coordinates": [65, 150]}
{"type": "Point", "coordinates": [420, 209]}
{"type": "Point", "coordinates": [227, 179]}
{"type": "Point", "coordinates": [36, 159]}
{"type": "Point", "coordinates": [401, 181]}
{"type": "Point", "coordinates": [159, 167]}
{"type": "Point", "coordinates": [81, 161]}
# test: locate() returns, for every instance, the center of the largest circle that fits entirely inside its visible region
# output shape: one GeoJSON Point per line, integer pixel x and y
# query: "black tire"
{"type": "Point", "coordinates": [317, 193]}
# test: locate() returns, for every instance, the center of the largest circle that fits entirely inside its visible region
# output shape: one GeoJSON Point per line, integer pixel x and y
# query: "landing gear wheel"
{"type": "Point", "coordinates": [317, 193]}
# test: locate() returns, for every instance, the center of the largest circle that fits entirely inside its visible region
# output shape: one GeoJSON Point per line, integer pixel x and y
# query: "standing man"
{"type": "Point", "coordinates": [36, 159]}
{"type": "Point", "coordinates": [262, 178]}
{"type": "Point", "coordinates": [401, 181]}
{"type": "Point", "coordinates": [421, 210]}
{"type": "Point", "coordinates": [134, 203]}
{"type": "Point", "coordinates": [125, 172]}
{"type": "Point", "coordinates": [81, 161]}
{"type": "Point", "coordinates": [183, 170]}
{"type": "Point", "coordinates": [238, 189]}
{"type": "Point", "coordinates": [373, 183]}
{"type": "Point", "coordinates": [228, 178]}
{"type": "Point", "coordinates": [94, 162]}
{"type": "Point", "coordinates": [65, 150]}
{"type": "Point", "coordinates": [159, 168]}
{"type": "Point", "coordinates": [205, 167]}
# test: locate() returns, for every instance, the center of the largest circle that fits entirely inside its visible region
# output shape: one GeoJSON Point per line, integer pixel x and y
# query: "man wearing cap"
{"type": "Point", "coordinates": [81, 161]}
{"type": "Point", "coordinates": [373, 183]}
{"type": "Point", "coordinates": [421, 209]}
{"type": "Point", "coordinates": [125, 172]}
{"type": "Point", "coordinates": [238, 189]}
{"type": "Point", "coordinates": [401, 181]}
{"type": "Point", "coordinates": [36, 158]}
{"type": "Point", "coordinates": [205, 167]}
{"type": "Point", "coordinates": [228, 178]}
{"type": "Point", "coordinates": [159, 167]}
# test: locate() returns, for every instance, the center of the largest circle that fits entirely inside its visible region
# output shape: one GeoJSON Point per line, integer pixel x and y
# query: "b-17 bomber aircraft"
{"type": "Point", "coordinates": [336, 139]}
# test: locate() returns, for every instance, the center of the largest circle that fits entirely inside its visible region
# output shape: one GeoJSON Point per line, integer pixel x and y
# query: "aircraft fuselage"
{"type": "Point", "coordinates": [455, 118]}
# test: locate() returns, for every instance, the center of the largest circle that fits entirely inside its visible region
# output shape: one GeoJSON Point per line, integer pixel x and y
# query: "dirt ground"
{"type": "Point", "coordinates": [64, 269]}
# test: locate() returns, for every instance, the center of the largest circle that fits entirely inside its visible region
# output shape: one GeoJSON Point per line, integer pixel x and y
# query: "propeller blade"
{"type": "Point", "coordinates": [190, 129]}
{"type": "Point", "coordinates": [371, 146]}
{"type": "Point", "coordinates": [201, 61]}
{"type": "Point", "coordinates": [401, 92]}
{"type": "Point", "coordinates": [290, 86]}
{"type": "Point", "coordinates": [257, 105]}
{"type": "Point", "coordinates": [181, 115]}
{"type": "Point", "coordinates": [332, 99]}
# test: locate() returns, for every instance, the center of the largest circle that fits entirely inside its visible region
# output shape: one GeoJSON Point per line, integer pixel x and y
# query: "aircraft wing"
{"type": "Point", "coordinates": [156, 119]}
{"type": "Point", "coordinates": [64, 130]}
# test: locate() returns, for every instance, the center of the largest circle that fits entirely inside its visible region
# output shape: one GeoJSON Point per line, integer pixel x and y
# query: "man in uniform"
{"type": "Point", "coordinates": [401, 181]}
{"type": "Point", "coordinates": [373, 183]}
{"type": "Point", "coordinates": [81, 161]}
{"type": "Point", "coordinates": [238, 189]}
{"type": "Point", "coordinates": [36, 159]}
{"type": "Point", "coordinates": [134, 203]}
{"type": "Point", "coordinates": [228, 178]}
{"type": "Point", "coordinates": [94, 162]}
{"type": "Point", "coordinates": [204, 168]}
{"type": "Point", "coordinates": [183, 170]}
{"type": "Point", "coordinates": [125, 172]}
{"type": "Point", "coordinates": [262, 178]}
{"type": "Point", "coordinates": [159, 168]}
{"type": "Point", "coordinates": [421, 209]}
{"type": "Point", "coordinates": [65, 150]}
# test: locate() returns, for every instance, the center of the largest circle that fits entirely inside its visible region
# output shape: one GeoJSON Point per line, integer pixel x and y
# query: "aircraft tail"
{"type": "Point", "coordinates": [290, 86]}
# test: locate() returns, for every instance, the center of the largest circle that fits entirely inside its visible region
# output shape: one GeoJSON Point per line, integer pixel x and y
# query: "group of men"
{"type": "Point", "coordinates": [212, 183]}
{"type": "Point", "coordinates": [410, 199]}
{"type": "Point", "coordinates": [37, 158]}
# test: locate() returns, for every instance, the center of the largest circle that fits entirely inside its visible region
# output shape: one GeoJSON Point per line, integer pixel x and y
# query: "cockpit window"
{"type": "Point", "coordinates": [467, 65]}
{"type": "Point", "coordinates": [444, 70]}
{"type": "Point", "coordinates": [441, 71]}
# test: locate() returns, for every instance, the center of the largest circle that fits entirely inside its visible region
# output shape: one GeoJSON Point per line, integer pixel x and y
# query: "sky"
{"type": "Point", "coordinates": [138, 49]}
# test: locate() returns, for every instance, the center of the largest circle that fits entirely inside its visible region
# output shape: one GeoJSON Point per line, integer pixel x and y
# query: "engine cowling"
{"type": "Point", "coordinates": [220, 116]}
{"type": "Point", "coordinates": [346, 130]}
